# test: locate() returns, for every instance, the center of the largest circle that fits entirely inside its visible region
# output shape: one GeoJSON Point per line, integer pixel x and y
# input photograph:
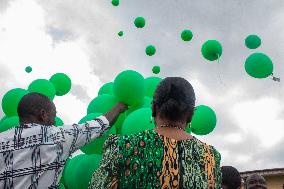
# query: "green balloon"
{"type": "Point", "coordinates": [211, 50]}
{"type": "Point", "coordinates": [147, 102]}
{"type": "Point", "coordinates": [252, 41]}
{"type": "Point", "coordinates": [96, 145]}
{"type": "Point", "coordinates": [44, 87]}
{"type": "Point", "coordinates": [11, 100]}
{"type": "Point", "coordinates": [61, 185]}
{"type": "Point", "coordinates": [151, 84]}
{"type": "Point", "coordinates": [156, 69]}
{"type": "Point", "coordinates": [259, 65]}
{"type": "Point", "coordinates": [115, 3]}
{"type": "Point", "coordinates": [186, 35]}
{"type": "Point", "coordinates": [137, 121]}
{"type": "Point", "coordinates": [62, 83]}
{"type": "Point", "coordinates": [87, 166]}
{"type": "Point", "coordinates": [129, 87]}
{"type": "Point", "coordinates": [120, 34]}
{"type": "Point", "coordinates": [9, 123]}
{"type": "Point", "coordinates": [150, 50]}
{"type": "Point", "coordinates": [203, 121]}
{"type": "Point", "coordinates": [58, 122]}
{"type": "Point", "coordinates": [3, 118]}
{"type": "Point", "coordinates": [139, 22]}
{"type": "Point", "coordinates": [106, 89]}
{"type": "Point", "coordinates": [28, 69]}
{"type": "Point", "coordinates": [102, 103]}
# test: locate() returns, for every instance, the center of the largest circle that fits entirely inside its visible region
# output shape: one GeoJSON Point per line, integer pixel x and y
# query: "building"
{"type": "Point", "coordinates": [273, 177]}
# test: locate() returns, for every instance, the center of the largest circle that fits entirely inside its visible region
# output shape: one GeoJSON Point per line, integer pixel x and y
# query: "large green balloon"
{"type": "Point", "coordinates": [106, 89]}
{"type": "Point", "coordinates": [87, 166]}
{"type": "Point", "coordinates": [9, 123]}
{"type": "Point", "coordinates": [58, 122]}
{"type": "Point", "coordinates": [253, 41]}
{"type": "Point", "coordinates": [186, 35]}
{"type": "Point", "coordinates": [150, 50]}
{"type": "Point", "coordinates": [44, 87]}
{"type": "Point", "coordinates": [96, 146]}
{"type": "Point", "coordinates": [139, 22]}
{"type": "Point", "coordinates": [3, 118]}
{"type": "Point", "coordinates": [102, 103]}
{"type": "Point", "coordinates": [211, 50]}
{"type": "Point", "coordinates": [259, 65]}
{"type": "Point", "coordinates": [137, 121]}
{"type": "Point", "coordinates": [203, 121]}
{"type": "Point", "coordinates": [61, 82]}
{"type": "Point", "coordinates": [11, 100]}
{"type": "Point", "coordinates": [151, 84]}
{"type": "Point", "coordinates": [129, 87]}
{"type": "Point", "coordinates": [147, 102]}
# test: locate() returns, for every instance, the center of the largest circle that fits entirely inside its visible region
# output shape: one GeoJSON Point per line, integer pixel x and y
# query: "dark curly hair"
{"type": "Point", "coordinates": [231, 177]}
{"type": "Point", "coordinates": [174, 97]}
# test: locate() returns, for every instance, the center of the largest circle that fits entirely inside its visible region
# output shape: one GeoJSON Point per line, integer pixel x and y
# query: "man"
{"type": "Point", "coordinates": [34, 154]}
{"type": "Point", "coordinates": [256, 181]}
{"type": "Point", "coordinates": [231, 178]}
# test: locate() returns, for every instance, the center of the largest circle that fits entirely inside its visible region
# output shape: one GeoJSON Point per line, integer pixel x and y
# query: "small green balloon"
{"type": "Point", "coordinates": [139, 22]}
{"type": "Point", "coordinates": [120, 34]}
{"type": "Point", "coordinates": [115, 3]}
{"type": "Point", "coordinates": [44, 87]}
{"type": "Point", "coordinates": [129, 87]}
{"type": "Point", "coordinates": [186, 35]}
{"type": "Point", "coordinates": [102, 104]}
{"type": "Point", "coordinates": [252, 41]}
{"type": "Point", "coordinates": [11, 100]}
{"type": "Point", "coordinates": [137, 121]}
{"type": "Point", "coordinates": [203, 121]}
{"type": "Point", "coordinates": [28, 69]}
{"type": "Point", "coordinates": [9, 123]}
{"type": "Point", "coordinates": [58, 122]}
{"type": "Point", "coordinates": [156, 69]}
{"type": "Point", "coordinates": [211, 50]}
{"type": "Point", "coordinates": [62, 83]}
{"type": "Point", "coordinates": [259, 65]}
{"type": "Point", "coordinates": [106, 89]}
{"type": "Point", "coordinates": [151, 84]}
{"type": "Point", "coordinates": [150, 50]}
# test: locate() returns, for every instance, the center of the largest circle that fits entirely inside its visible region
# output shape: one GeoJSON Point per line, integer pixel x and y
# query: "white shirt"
{"type": "Point", "coordinates": [34, 156]}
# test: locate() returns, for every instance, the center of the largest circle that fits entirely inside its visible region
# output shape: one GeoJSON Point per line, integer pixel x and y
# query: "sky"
{"type": "Point", "coordinates": [79, 38]}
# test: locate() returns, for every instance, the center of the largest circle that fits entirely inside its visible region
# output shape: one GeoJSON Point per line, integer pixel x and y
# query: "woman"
{"type": "Point", "coordinates": [165, 157]}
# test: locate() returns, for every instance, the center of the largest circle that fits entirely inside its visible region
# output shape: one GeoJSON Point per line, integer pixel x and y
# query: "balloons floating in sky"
{"type": "Point", "coordinates": [186, 35]}
{"type": "Point", "coordinates": [252, 41]}
{"type": "Point", "coordinates": [139, 22]}
{"type": "Point", "coordinates": [259, 65]}
{"type": "Point", "coordinates": [156, 69]}
{"type": "Point", "coordinates": [211, 50]}
{"type": "Point", "coordinates": [129, 87]}
{"type": "Point", "coordinates": [44, 87]}
{"type": "Point", "coordinates": [28, 69]}
{"type": "Point", "coordinates": [120, 34]}
{"type": "Point", "coordinates": [58, 122]}
{"type": "Point", "coordinates": [203, 121]}
{"type": "Point", "coordinates": [11, 100]}
{"type": "Point", "coordinates": [102, 104]}
{"type": "Point", "coordinates": [115, 3]}
{"type": "Point", "coordinates": [150, 50]}
{"type": "Point", "coordinates": [151, 84]}
{"type": "Point", "coordinates": [61, 82]}
{"type": "Point", "coordinates": [106, 89]}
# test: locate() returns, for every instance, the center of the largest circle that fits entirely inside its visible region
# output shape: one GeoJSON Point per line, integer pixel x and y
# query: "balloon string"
{"type": "Point", "coordinates": [219, 70]}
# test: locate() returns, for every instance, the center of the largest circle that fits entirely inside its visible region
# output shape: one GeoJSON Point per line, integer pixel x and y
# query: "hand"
{"type": "Point", "coordinates": [120, 107]}
{"type": "Point", "coordinates": [115, 111]}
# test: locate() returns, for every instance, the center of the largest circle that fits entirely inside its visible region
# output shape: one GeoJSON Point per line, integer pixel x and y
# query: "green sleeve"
{"type": "Point", "coordinates": [106, 175]}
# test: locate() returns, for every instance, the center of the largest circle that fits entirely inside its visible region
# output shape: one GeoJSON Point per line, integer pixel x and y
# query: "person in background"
{"type": "Point", "coordinates": [255, 181]}
{"type": "Point", "coordinates": [231, 178]}
{"type": "Point", "coordinates": [165, 157]}
{"type": "Point", "coordinates": [33, 155]}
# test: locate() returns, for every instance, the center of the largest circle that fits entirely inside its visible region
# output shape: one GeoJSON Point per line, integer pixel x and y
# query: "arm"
{"type": "Point", "coordinates": [106, 175]}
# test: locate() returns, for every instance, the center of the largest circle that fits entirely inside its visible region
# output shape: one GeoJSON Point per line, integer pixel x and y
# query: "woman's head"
{"type": "Point", "coordinates": [174, 100]}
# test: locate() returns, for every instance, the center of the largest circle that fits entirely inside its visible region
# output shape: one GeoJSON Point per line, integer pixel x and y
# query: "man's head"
{"type": "Point", "coordinates": [36, 108]}
{"type": "Point", "coordinates": [231, 178]}
{"type": "Point", "coordinates": [255, 181]}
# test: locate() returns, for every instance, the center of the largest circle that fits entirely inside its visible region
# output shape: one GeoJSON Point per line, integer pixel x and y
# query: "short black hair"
{"type": "Point", "coordinates": [231, 177]}
{"type": "Point", "coordinates": [174, 97]}
{"type": "Point", "coordinates": [31, 104]}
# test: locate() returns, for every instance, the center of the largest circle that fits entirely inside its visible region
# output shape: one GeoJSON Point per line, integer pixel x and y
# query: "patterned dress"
{"type": "Point", "coordinates": [149, 160]}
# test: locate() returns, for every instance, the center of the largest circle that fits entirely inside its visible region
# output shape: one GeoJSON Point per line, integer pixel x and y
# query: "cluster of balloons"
{"type": "Point", "coordinates": [58, 85]}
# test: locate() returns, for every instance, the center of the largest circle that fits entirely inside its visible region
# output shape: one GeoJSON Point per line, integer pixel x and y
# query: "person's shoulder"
{"type": "Point", "coordinates": [210, 147]}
